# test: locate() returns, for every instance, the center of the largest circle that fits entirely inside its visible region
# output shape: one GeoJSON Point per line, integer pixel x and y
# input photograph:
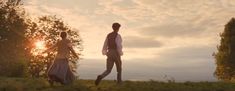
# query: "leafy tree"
{"type": "Point", "coordinates": [47, 29]}
{"type": "Point", "coordinates": [12, 28]}
{"type": "Point", "coordinates": [225, 57]}
{"type": "Point", "coordinates": [18, 34]}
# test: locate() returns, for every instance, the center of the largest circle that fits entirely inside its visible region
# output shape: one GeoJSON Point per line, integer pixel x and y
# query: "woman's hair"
{"type": "Point", "coordinates": [63, 35]}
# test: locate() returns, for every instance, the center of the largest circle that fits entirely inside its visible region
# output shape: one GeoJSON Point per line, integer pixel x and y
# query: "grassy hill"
{"type": "Point", "coordinates": [30, 84]}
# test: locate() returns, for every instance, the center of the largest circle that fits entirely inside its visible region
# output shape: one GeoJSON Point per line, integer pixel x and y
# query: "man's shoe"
{"type": "Point", "coordinates": [98, 79]}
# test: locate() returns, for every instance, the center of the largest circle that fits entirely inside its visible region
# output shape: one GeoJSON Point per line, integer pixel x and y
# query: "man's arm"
{"type": "Point", "coordinates": [119, 44]}
{"type": "Point", "coordinates": [105, 47]}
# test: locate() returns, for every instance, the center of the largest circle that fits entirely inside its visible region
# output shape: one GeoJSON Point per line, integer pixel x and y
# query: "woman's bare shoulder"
{"type": "Point", "coordinates": [58, 41]}
{"type": "Point", "coordinates": [68, 40]}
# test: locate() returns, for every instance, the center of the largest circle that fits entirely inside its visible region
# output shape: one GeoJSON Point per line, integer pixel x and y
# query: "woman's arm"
{"type": "Point", "coordinates": [73, 52]}
{"type": "Point", "coordinates": [51, 48]}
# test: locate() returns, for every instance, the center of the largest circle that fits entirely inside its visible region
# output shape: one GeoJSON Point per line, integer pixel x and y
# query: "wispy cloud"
{"type": "Point", "coordinates": [138, 42]}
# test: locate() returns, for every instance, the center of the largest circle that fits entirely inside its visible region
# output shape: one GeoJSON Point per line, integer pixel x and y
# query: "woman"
{"type": "Point", "coordinates": [60, 70]}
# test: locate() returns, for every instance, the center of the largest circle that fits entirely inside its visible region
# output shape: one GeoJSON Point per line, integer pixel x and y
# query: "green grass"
{"type": "Point", "coordinates": [30, 84]}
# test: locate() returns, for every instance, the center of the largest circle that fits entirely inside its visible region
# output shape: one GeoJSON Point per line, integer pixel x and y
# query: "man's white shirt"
{"type": "Point", "coordinates": [118, 41]}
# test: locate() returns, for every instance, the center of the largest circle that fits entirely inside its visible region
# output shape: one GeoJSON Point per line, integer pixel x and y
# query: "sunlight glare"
{"type": "Point", "coordinates": [40, 45]}
{"type": "Point", "coordinates": [39, 48]}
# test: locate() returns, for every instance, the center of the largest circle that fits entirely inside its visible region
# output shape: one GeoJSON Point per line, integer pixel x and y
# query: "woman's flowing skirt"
{"type": "Point", "coordinates": [60, 72]}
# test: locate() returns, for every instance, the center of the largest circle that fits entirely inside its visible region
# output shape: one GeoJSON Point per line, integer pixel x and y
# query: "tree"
{"type": "Point", "coordinates": [225, 57]}
{"type": "Point", "coordinates": [18, 38]}
{"type": "Point", "coordinates": [47, 29]}
{"type": "Point", "coordinates": [12, 28]}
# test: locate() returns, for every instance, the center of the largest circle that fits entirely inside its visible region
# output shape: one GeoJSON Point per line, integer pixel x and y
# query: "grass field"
{"type": "Point", "coordinates": [30, 84]}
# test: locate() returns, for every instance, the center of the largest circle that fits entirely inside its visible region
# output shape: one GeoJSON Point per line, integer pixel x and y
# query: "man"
{"type": "Point", "coordinates": [113, 50]}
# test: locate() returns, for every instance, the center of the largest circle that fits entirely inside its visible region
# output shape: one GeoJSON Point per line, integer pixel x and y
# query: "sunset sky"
{"type": "Point", "coordinates": [160, 37]}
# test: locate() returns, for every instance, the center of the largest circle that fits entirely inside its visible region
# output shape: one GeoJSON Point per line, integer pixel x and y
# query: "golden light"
{"type": "Point", "coordinates": [39, 48]}
{"type": "Point", "coordinates": [40, 45]}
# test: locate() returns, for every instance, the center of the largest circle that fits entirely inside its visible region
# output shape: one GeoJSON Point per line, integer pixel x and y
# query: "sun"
{"type": "Point", "coordinates": [39, 48]}
{"type": "Point", "coordinates": [40, 45]}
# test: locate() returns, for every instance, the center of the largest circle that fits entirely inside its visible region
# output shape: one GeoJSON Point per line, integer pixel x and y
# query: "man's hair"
{"type": "Point", "coordinates": [63, 35]}
{"type": "Point", "coordinates": [116, 26]}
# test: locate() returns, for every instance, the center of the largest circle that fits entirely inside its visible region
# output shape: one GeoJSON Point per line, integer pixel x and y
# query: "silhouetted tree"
{"type": "Point", "coordinates": [12, 28]}
{"type": "Point", "coordinates": [225, 57]}
{"type": "Point", "coordinates": [48, 28]}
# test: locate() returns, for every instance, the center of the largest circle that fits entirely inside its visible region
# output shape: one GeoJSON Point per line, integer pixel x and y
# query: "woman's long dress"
{"type": "Point", "coordinates": [60, 70]}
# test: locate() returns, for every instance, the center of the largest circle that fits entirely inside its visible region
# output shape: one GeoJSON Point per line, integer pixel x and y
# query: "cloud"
{"type": "Point", "coordinates": [125, 10]}
{"type": "Point", "coordinates": [141, 42]}
{"type": "Point", "coordinates": [172, 30]}
{"type": "Point", "coordinates": [188, 53]}
{"type": "Point", "coordinates": [166, 13]}
{"type": "Point", "coordinates": [194, 63]}
{"type": "Point", "coordinates": [142, 69]}
{"type": "Point", "coordinates": [184, 56]}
